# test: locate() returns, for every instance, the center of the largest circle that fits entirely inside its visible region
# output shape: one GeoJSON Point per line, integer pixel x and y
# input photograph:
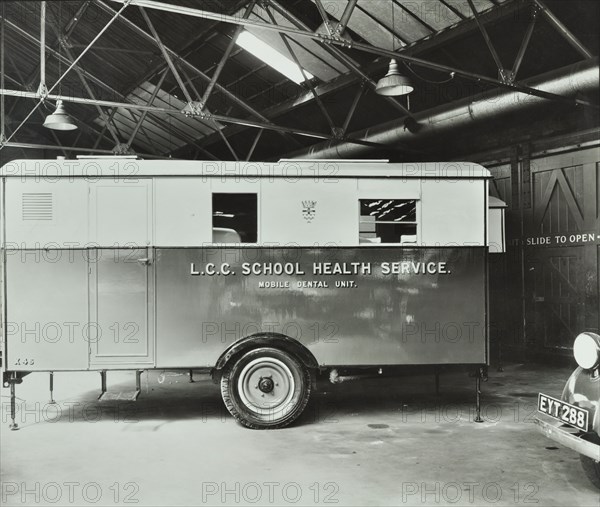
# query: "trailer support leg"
{"type": "Point", "coordinates": [437, 381]}
{"type": "Point", "coordinates": [500, 367]}
{"type": "Point", "coordinates": [13, 410]}
{"type": "Point", "coordinates": [52, 402]}
{"type": "Point", "coordinates": [191, 373]}
{"type": "Point", "coordinates": [138, 380]}
{"type": "Point", "coordinates": [103, 383]}
{"type": "Point", "coordinates": [479, 376]}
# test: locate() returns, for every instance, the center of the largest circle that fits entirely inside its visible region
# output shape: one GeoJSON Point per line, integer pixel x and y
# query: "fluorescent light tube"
{"type": "Point", "coordinates": [271, 57]}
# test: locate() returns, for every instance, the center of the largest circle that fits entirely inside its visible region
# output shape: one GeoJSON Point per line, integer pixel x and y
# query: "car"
{"type": "Point", "coordinates": [574, 419]}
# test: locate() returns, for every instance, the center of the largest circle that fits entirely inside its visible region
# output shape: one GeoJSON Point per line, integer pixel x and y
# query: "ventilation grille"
{"type": "Point", "coordinates": [37, 206]}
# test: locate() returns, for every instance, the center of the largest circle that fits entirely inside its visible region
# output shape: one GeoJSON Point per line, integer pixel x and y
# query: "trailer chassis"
{"type": "Point", "coordinates": [12, 378]}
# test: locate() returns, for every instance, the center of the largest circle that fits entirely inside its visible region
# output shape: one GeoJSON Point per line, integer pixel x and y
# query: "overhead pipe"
{"type": "Point", "coordinates": [579, 78]}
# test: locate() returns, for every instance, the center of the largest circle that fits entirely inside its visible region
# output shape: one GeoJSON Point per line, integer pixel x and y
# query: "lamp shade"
{"type": "Point", "coordinates": [60, 119]}
{"type": "Point", "coordinates": [394, 83]}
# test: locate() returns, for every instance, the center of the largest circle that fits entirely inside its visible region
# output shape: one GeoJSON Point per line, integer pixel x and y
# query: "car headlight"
{"type": "Point", "coordinates": [586, 350]}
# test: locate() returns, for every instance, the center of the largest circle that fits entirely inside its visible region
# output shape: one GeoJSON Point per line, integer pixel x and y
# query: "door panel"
{"type": "Point", "coordinates": [121, 213]}
{"type": "Point", "coordinates": [122, 309]}
{"type": "Point", "coordinates": [561, 254]}
{"type": "Point", "coordinates": [555, 305]}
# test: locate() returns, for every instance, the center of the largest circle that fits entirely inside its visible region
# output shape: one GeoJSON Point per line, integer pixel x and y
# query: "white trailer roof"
{"type": "Point", "coordinates": [119, 167]}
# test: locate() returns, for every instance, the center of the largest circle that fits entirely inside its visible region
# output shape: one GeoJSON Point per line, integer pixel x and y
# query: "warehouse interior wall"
{"type": "Point", "coordinates": [544, 290]}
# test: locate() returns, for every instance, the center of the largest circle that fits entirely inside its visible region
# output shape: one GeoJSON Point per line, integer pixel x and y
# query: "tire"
{"type": "Point", "coordinates": [266, 388]}
{"type": "Point", "coordinates": [591, 469]}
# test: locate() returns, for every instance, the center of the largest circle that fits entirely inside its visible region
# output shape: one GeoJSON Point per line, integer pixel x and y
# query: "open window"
{"type": "Point", "coordinates": [388, 221]}
{"type": "Point", "coordinates": [235, 218]}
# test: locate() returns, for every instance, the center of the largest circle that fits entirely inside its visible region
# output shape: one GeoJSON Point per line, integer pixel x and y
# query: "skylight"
{"type": "Point", "coordinates": [272, 57]}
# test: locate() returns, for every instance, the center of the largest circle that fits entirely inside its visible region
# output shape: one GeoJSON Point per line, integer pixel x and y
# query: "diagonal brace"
{"type": "Point", "coordinates": [488, 41]}
{"type": "Point", "coordinates": [166, 56]}
{"type": "Point", "coordinates": [288, 46]}
{"type": "Point", "coordinates": [225, 57]}
{"type": "Point", "coordinates": [524, 45]}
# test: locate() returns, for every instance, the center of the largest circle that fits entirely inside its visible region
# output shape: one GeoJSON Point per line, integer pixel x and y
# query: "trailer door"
{"type": "Point", "coordinates": [121, 275]}
{"type": "Point", "coordinates": [121, 328]}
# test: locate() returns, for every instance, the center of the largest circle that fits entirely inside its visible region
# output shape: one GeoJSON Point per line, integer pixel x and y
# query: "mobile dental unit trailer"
{"type": "Point", "coordinates": [261, 274]}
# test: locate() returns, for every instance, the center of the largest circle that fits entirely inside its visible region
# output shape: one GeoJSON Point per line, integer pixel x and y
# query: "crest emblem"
{"type": "Point", "coordinates": [309, 210]}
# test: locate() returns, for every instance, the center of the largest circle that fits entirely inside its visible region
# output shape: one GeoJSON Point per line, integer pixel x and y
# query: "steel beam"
{"type": "Point", "coordinates": [254, 144]}
{"type": "Point", "coordinates": [308, 82]}
{"type": "Point", "coordinates": [487, 39]}
{"type": "Point", "coordinates": [166, 56]}
{"type": "Point", "coordinates": [58, 81]}
{"type": "Point", "coordinates": [463, 28]}
{"type": "Point", "coordinates": [580, 78]}
{"type": "Point", "coordinates": [2, 76]}
{"type": "Point", "coordinates": [232, 97]}
{"type": "Point", "coordinates": [456, 11]}
{"type": "Point", "coordinates": [190, 83]}
{"type": "Point", "coordinates": [435, 40]}
{"type": "Point", "coordinates": [140, 31]}
{"type": "Point", "coordinates": [10, 78]}
{"type": "Point", "coordinates": [104, 129]}
{"type": "Point", "coordinates": [346, 15]}
{"type": "Point", "coordinates": [91, 77]}
{"type": "Point", "coordinates": [224, 58]}
{"type": "Point", "coordinates": [128, 51]}
{"type": "Point", "coordinates": [195, 43]}
{"type": "Point", "coordinates": [40, 114]}
{"type": "Point", "coordinates": [216, 127]}
{"type": "Point", "coordinates": [61, 37]}
{"type": "Point", "coordinates": [563, 30]}
{"type": "Point", "coordinates": [324, 17]}
{"type": "Point", "coordinates": [229, 146]}
{"type": "Point", "coordinates": [343, 58]}
{"type": "Point", "coordinates": [357, 97]}
{"type": "Point", "coordinates": [367, 48]}
{"type": "Point", "coordinates": [524, 45]}
{"type": "Point", "coordinates": [61, 58]}
{"type": "Point", "coordinates": [126, 147]}
{"type": "Point", "coordinates": [42, 89]}
{"type": "Point", "coordinates": [33, 146]}
{"type": "Point", "coordinates": [172, 111]}
{"type": "Point", "coordinates": [77, 17]}
{"type": "Point", "coordinates": [144, 113]}
{"type": "Point", "coordinates": [165, 127]}
{"type": "Point", "coordinates": [111, 128]}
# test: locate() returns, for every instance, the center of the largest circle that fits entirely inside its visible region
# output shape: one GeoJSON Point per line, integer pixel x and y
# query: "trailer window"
{"type": "Point", "coordinates": [388, 221]}
{"type": "Point", "coordinates": [235, 218]}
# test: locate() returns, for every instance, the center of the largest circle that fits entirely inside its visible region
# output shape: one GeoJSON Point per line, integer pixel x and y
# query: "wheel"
{"type": "Point", "coordinates": [591, 469]}
{"type": "Point", "coordinates": [266, 388]}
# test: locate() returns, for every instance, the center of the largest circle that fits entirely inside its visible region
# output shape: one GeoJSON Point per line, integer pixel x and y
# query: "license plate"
{"type": "Point", "coordinates": [562, 411]}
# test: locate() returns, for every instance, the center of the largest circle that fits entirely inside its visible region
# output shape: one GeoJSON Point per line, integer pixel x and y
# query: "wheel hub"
{"type": "Point", "coordinates": [266, 384]}
{"type": "Point", "coordinates": [267, 387]}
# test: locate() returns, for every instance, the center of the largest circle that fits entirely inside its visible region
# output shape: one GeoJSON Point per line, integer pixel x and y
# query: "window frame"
{"type": "Point", "coordinates": [417, 222]}
{"type": "Point", "coordinates": [241, 244]}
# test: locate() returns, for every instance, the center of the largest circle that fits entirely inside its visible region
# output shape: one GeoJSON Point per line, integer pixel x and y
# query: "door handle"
{"type": "Point", "coordinates": [146, 261]}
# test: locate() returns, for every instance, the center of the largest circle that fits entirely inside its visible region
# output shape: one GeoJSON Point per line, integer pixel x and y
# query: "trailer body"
{"type": "Point", "coordinates": [129, 264]}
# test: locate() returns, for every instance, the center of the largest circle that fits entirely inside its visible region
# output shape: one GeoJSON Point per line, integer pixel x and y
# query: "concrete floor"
{"type": "Point", "coordinates": [372, 442]}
